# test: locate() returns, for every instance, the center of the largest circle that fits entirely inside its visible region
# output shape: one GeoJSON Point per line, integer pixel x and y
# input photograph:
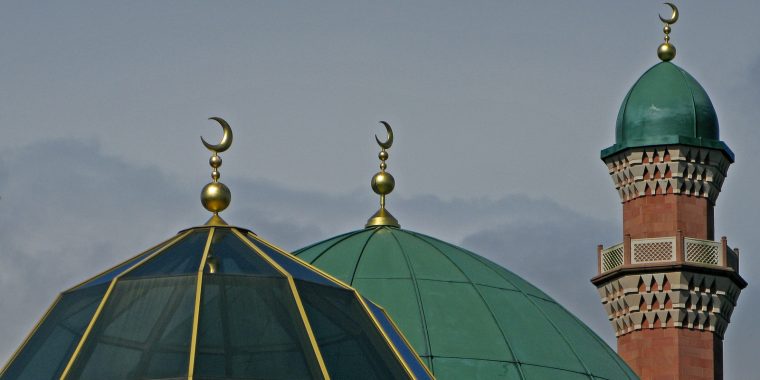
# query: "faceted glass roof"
{"type": "Point", "coordinates": [466, 316]}
{"type": "Point", "coordinates": [214, 303]}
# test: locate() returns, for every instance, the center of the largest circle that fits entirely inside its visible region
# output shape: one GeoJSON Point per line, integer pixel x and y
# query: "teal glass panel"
{"type": "Point", "coordinates": [406, 352]}
{"type": "Point", "coordinates": [183, 257]}
{"type": "Point", "coordinates": [250, 328]}
{"type": "Point", "coordinates": [295, 268]}
{"type": "Point", "coordinates": [119, 269]}
{"type": "Point", "coordinates": [349, 341]}
{"type": "Point", "coordinates": [143, 332]}
{"type": "Point", "coordinates": [230, 255]}
{"type": "Point", "coordinates": [50, 347]}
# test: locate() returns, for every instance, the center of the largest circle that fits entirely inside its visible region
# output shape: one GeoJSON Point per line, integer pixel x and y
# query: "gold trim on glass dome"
{"type": "Point", "coordinates": [296, 296]}
{"type": "Point", "coordinates": [125, 262]}
{"type": "Point", "coordinates": [403, 337]}
{"type": "Point", "coordinates": [388, 340]}
{"type": "Point", "coordinates": [103, 301]}
{"type": "Point", "coordinates": [301, 262]}
{"type": "Point", "coordinates": [358, 296]}
{"type": "Point", "coordinates": [29, 336]}
{"type": "Point", "coordinates": [197, 305]}
{"type": "Point", "coordinates": [216, 200]}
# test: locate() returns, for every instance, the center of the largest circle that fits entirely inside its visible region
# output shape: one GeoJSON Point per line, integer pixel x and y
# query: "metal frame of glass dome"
{"type": "Point", "coordinates": [286, 264]}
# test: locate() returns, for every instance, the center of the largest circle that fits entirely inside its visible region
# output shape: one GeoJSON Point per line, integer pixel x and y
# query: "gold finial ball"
{"type": "Point", "coordinates": [215, 197]}
{"type": "Point", "coordinates": [666, 29]}
{"type": "Point", "coordinates": [215, 161]}
{"type": "Point", "coordinates": [666, 51]}
{"type": "Point", "coordinates": [383, 183]}
{"type": "Point", "coordinates": [383, 155]}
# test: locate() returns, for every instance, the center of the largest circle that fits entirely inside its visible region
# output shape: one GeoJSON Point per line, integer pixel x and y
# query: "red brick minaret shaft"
{"type": "Point", "coordinates": [669, 289]}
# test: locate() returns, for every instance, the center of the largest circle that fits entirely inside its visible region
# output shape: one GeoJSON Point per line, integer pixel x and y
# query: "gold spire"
{"type": "Point", "coordinates": [383, 183]}
{"type": "Point", "coordinates": [666, 51]}
{"type": "Point", "coordinates": [216, 196]}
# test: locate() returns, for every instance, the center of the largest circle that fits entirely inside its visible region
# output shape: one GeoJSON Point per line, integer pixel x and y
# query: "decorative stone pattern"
{"type": "Point", "coordinates": [612, 257]}
{"type": "Point", "coordinates": [703, 251]}
{"type": "Point", "coordinates": [664, 250]}
{"type": "Point", "coordinates": [675, 169]}
{"type": "Point", "coordinates": [682, 300]}
{"type": "Point", "coordinates": [653, 250]}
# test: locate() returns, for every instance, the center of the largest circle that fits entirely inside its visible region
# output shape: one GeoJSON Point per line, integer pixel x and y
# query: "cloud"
{"type": "Point", "coordinates": [70, 210]}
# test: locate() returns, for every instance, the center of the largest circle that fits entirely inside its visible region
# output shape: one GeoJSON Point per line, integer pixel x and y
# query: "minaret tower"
{"type": "Point", "coordinates": [669, 288]}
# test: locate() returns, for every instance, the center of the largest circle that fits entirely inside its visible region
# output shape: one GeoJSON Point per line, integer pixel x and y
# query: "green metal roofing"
{"type": "Point", "coordinates": [666, 106]}
{"type": "Point", "coordinates": [467, 317]}
{"type": "Point", "coordinates": [214, 303]}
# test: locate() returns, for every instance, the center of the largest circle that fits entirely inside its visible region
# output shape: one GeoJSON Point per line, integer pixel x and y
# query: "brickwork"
{"type": "Point", "coordinates": [669, 354]}
{"type": "Point", "coordinates": [669, 324]}
{"type": "Point", "coordinates": [664, 215]}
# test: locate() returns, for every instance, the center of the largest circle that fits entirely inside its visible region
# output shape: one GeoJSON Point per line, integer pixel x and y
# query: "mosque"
{"type": "Point", "coordinates": [218, 301]}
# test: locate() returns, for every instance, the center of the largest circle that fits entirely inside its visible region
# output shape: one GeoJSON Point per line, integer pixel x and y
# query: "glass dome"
{"type": "Point", "coordinates": [214, 303]}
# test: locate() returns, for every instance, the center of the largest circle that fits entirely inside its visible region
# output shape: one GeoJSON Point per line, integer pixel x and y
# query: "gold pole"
{"type": "Point", "coordinates": [383, 183]}
{"type": "Point", "coordinates": [197, 305]}
{"type": "Point", "coordinates": [216, 196]}
{"type": "Point", "coordinates": [666, 51]}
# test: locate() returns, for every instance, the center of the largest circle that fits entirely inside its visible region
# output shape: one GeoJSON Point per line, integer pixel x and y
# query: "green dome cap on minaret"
{"type": "Point", "coordinates": [667, 106]}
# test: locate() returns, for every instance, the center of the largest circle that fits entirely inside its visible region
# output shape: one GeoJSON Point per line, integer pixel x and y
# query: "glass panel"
{"type": "Point", "coordinates": [143, 332]}
{"type": "Point", "coordinates": [119, 269]}
{"type": "Point", "coordinates": [409, 356]}
{"type": "Point", "coordinates": [399, 298]}
{"type": "Point", "coordinates": [229, 254]}
{"type": "Point", "coordinates": [49, 349]}
{"type": "Point", "coordinates": [183, 257]}
{"type": "Point", "coordinates": [295, 268]}
{"type": "Point", "coordinates": [250, 328]}
{"type": "Point", "coordinates": [348, 339]}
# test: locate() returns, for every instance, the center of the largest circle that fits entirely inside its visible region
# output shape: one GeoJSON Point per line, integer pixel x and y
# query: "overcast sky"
{"type": "Point", "coordinates": [499, 108]}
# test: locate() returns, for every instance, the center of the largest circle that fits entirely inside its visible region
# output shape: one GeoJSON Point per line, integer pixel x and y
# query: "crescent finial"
{"type": "Point", "coordinates": [673, 17]}
{"type": "Point", "coordinates": [389, 141]}
{"type": "Point", "coordinates": [226, 141]}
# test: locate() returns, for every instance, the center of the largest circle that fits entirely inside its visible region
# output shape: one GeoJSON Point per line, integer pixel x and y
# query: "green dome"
{"type": "Point", "coordinates": [467, 317]}
{"type": "Point", "coordinates": [666, 106]}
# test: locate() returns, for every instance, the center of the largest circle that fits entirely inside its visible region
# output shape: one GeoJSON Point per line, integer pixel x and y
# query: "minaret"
{"type": "Point", "coordinates": [669, 288]}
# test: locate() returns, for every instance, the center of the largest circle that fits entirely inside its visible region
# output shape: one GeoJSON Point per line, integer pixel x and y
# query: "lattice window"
{"type": "Point", "coordinates": [612, 257]}
{"type": "Point", "coordinates": [704, 252]}
{"type": "Point", "coordinates": [653, 250]}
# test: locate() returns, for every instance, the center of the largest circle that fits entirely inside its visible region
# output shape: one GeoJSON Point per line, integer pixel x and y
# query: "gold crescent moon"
{"type": "Point", "coordinates": [389, 141]}
{"type": "Point", "coordinates": [226, 137]}
{"type": "Point", "coordinates": [673, 17]}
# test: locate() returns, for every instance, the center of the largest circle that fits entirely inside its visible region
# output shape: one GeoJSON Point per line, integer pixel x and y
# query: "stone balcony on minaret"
{"type": "Point", "coordinates": [671, 281]}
